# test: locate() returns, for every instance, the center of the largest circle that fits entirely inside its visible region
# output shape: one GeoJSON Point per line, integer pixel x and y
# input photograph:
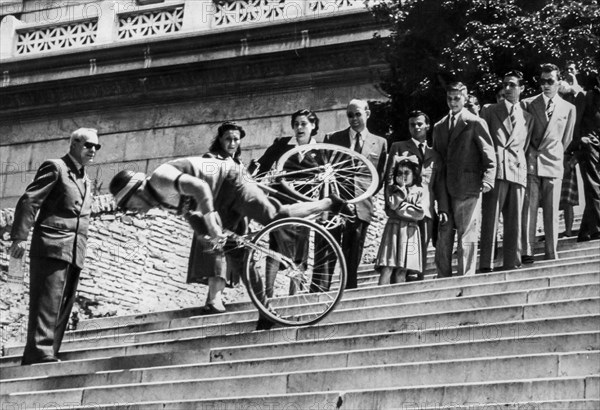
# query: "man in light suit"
{"type": "Point", "coordinates": [553, 125]}
{"type": "Point", "coordinates": [431, 173]}
{"type": "Point", "coordinates": [357, 136]}
{"type": "Point", "coordinates": [510, 128]}
{"type": "Point", "coordinates": [58, 205]}
{"type": "Point", "coordinates": [466, 147]}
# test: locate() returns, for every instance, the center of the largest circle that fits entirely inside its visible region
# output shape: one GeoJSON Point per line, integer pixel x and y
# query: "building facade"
{"type": "Point", "coordinates": [156, 78]}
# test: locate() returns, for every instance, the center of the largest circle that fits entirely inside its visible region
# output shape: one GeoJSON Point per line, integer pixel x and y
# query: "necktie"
{"type": "Point", "coordinates": [550, 109]}
{"type": "Point", "coordinates": [513, 117]}
{"type": "Point", "coordinates": [422, 149]}
{"type": "Point", "coordinates": [452, 122]}
{"type": "Point", "coordinates": [357, 143]}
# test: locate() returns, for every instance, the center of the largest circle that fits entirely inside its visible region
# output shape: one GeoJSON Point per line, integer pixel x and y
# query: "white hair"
{"type": "Point", "coordinates": [80, 133]}
{"type": "Point", "coordinates": [359, 103]}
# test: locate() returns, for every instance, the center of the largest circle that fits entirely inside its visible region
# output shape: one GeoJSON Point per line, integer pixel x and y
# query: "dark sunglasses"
{"type": "Point", "coordinates": [90, 145]}
{"type": "Point", "coordinates": [548, 81]}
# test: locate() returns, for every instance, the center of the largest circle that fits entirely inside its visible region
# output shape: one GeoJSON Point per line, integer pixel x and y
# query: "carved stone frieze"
{"type": "Point", "coordinates": [230, 77]}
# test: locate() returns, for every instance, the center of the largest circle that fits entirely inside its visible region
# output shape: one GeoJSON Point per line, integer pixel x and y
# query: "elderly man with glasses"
{"type": "Point", "coordinates": [58, 205]}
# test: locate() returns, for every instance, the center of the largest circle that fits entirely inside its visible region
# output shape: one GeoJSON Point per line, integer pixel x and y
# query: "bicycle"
{"type": "Point", "coordinates": [284, 276]}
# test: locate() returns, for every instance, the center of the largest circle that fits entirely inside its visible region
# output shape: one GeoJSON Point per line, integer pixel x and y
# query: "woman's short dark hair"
{"type": "Point", "coordinates": [311, 116]}
{"type": "Point", "coordinates": [215, 145]}
{"type": "Point", "coordinates": [415, 168]}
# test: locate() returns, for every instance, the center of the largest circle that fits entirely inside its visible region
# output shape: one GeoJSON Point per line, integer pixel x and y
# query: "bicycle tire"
{"type": "Point", "coordinates": [295, 293]}
{"type": "Point", "coordinates": [338, 170]}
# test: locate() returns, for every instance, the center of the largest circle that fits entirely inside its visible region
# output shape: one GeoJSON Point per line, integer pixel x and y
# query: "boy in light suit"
{"type": "Point", "coordinates": [510, 128]}
{"type": "Point", "coordinates": [553, 125]}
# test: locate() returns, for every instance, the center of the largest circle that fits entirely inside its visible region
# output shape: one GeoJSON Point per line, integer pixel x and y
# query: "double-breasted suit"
{"type": "Point", "coordinates": [352, 235]}
{"type": "Point", "coordinates": [510, 143]}
{"type": "Point", "coordinates": [58, 205]}
{"type": "Point", "coordinates": [432, 182]}
{"type": "Point", "coordinates": [549, 139]}
{"type": "Point", "coordinates": [468, 154]}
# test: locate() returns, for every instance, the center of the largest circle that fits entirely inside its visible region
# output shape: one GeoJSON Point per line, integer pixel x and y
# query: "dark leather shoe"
{"type": "Point", "coordinates": [527, 259]}
{"type": "Point", "coordinates": [486, 270]}
{"type": "Point", "coordinates": [264, 323]}
{"type": "Point", "coordinates": [45, 359]}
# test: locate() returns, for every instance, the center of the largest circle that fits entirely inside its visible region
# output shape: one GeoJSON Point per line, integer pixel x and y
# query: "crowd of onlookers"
{"type": "Point", "coordinates": [491, 164]}
{"type": "Point", "coordinates": [483, 164]}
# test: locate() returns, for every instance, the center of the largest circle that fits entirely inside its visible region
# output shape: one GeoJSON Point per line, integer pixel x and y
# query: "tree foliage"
{"type": "Point", "coordinates": [476, 41]}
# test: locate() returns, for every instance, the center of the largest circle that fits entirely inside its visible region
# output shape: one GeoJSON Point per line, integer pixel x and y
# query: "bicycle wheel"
{"type": "Point", "coordinates": [289, 267]}
{"type": "Point", "coordinates": [332, 170]}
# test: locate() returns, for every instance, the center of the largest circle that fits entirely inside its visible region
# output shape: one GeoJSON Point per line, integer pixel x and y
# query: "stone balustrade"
{"type": "Point", "coordinates": [113, 22]}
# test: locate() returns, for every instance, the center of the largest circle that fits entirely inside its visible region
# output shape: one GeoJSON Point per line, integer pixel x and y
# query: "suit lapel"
{"type": "Point", "coordinates": [368, 144]}
{"type": "Point", "coordinates": [501, 113]}
{"type": "Point", "coordinates": [72, 172]}
{"type": "Point", "coordinates": [346, 138]}
{"type": "Point", "coordinates": [460, 125]}
{"type": "Point", "coordinates": [539, 110]}
{"type": "Point", "coordinates": [519, 125]}
{"type": "Point", "coordinates": [558, 108]}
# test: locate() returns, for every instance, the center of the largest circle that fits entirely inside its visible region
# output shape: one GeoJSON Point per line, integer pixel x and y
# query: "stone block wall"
{"type": "Point", "coordinates": [134, 264]}
{"type": "Point", "coordinates": [141, 138]}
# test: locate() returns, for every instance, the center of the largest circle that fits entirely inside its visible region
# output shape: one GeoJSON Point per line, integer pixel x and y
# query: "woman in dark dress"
{"type": "Point", "coordinates": [219, 269]}
{"type": "Point", "coordinates": [305, 124]}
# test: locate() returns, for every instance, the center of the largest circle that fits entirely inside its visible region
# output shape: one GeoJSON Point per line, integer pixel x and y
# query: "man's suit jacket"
{"type": "Point", "coordinates": [510, 143]}
{"type": "Point", "coordinates": [375, 150]}
{"type": "Point", "coordinates": [468, 155]}
{"type": "Point", "coordinates": [549, 139]}
{"type": "Point", "coordinates": [64, 202]}
{"type": "Point", "coordinates": [432, 169]}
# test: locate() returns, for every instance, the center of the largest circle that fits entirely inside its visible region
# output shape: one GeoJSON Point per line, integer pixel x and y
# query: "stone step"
{"type": "Point", "coordinates": [564, 244]}
{"type": "Point", "coordinates": [241, 334]}
{"type": "Point", "coordinates": [368, 275]}
{"type": "Point", "coordinates": [494, 369]}
{"type": "Point", "coordinates": [436, 343]}
{"type": "Point", "coordinates": [412, 333]}
{"type": "Point", "coordinates": [532, 405]}
{"type": "Point", "coordinates": [373, 306]}
{"type": "Point", "coordinates": [361, 354]}
{"type": "Point", "coordinates": [419, 295]}
{"type": "Point", "coordinates": [575, 265]}
{"type": "Point", "coordinates": [524, 395]}
{"type": "Point", "coordinates": [119, 326]}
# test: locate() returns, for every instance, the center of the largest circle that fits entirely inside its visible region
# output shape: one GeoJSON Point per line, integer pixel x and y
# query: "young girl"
{"type": "Point", "coordinates": [400, 247]}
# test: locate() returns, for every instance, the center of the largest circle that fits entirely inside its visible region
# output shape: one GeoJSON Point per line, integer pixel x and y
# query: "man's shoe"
{"type": "Point", "coordinates": [44, 359]}
{"type": "Point", "coordinates": [486, 270]}
{"type": "Point", "coordinates": [527, 259]}
{"type": "Point", "coordinates": [264, 323]}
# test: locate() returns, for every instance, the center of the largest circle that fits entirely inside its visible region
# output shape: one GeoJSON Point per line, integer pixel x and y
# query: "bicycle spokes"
{"type": "Point", "coordinates": [292, 266]}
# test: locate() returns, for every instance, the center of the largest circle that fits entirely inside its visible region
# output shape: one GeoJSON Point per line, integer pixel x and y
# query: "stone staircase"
{"type": "Point", "coordinates": [520, 339]}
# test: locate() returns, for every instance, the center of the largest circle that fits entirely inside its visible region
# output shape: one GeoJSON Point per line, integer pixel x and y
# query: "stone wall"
{"type": "Point", "coordinates": [134, 264]}
{"type": "Point", "coordinates": [140, 138]}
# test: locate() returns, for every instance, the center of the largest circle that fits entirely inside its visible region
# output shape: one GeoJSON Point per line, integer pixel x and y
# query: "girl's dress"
{"type": "Point", "coordinates": [401, 241]}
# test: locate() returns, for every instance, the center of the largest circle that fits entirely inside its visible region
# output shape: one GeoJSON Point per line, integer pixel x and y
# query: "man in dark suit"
{"type": "Point", "coordinates": [553, 125]}
{"type": "Point", "coordinates": [431, 173]}
{"type": "Point", "coordinates": [352, 235]}
{"type": "Point", "coordinates": [466, 147]}
{"type": "Point", "coordinates": [58, 205]}
{"type": "Point", "coordinates": [510, 128]}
